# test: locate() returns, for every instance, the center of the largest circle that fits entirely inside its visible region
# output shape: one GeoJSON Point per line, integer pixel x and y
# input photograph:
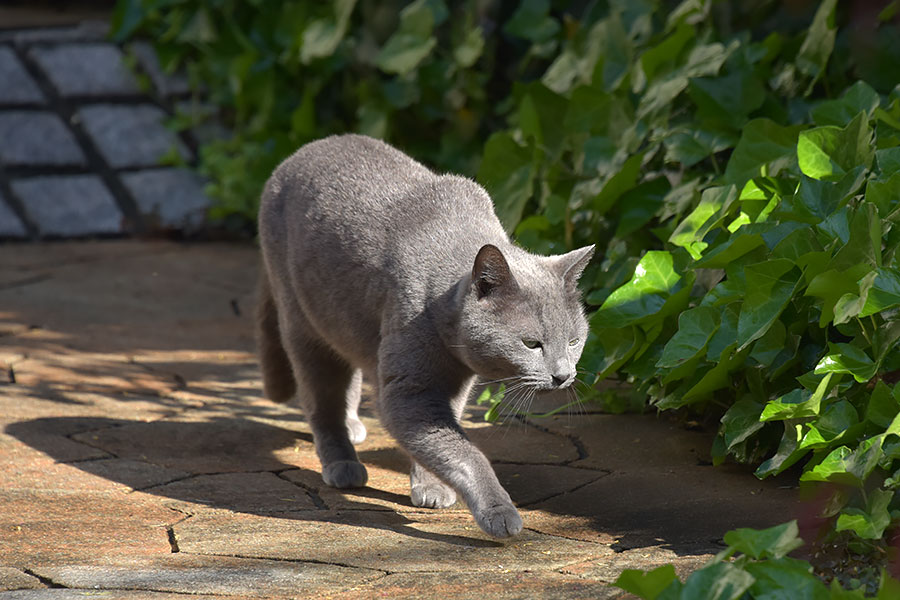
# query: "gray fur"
{"type": "Point", "coordinates": [375, 265]}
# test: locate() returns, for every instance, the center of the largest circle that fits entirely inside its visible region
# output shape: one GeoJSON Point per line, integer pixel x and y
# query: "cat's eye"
{"type": "Point", "coordinates": [573, 342]}
{"type": "Point", "coordinates": [532, 344]}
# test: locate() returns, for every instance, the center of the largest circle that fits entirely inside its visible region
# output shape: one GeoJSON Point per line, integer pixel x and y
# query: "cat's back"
{"type": "Point", "coordinates": [360, 195]}
{"type": "Point", "coordinates": [349, 177]}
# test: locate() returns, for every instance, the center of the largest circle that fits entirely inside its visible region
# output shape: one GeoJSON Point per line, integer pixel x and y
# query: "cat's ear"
{"type": "Point", "coordinates": [491, 271]}
{"type": "Point", "coordinates": [571, 265]}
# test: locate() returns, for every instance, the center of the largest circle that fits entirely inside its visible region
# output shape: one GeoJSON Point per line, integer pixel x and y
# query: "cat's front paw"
{"type": "Point", "coordinates": [355, 430]}
{"type": "Point", "coordinates": [500, 520]}
{"type": "Point", "coordinates": [345, 474]}
{"type": "Point", "coordinates": [433, 494]}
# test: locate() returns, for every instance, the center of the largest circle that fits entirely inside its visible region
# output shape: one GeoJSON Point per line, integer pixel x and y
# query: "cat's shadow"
{"type": "Point", "coordinates": [224, 462]}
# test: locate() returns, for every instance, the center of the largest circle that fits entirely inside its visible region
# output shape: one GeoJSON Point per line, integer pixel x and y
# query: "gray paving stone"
{"type": "Point", "coordinates": [259, 493]}
{"type": "Point", "coordinates": [86, 31]}
{"type": "Point", "coordinates": [221, 576]}
{"type": "Point", "coordinates": [14, 579]}
{"type": "Point", "coordinates": [166, 84]}
{"type": "Point", "coordinates": [130, 136]}
{"type": "Point", "coordinates": [32, 138]}
{"type": "Point", "coordinates": [86, 69]}
{"type": "Point", "coordinates": [10, 224]}
{"type": "Point", "coordinates": [169, 198]}
{"type": "Point", "coordinates": [69, 205]}
{"type": "Point", "coordinates": [17, 85]}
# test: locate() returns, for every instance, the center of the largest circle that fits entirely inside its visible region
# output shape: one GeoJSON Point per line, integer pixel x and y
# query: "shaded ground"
{"type": "Point", "coordinates": [140, 459]}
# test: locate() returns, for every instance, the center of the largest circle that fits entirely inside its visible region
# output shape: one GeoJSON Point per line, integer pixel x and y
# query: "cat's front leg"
{"type": "Point", "coordinates": [419, 415]}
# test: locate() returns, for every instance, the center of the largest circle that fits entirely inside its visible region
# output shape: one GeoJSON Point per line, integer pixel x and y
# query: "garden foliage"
{"type": "Point", "coordinates": [755, 565]}
{"type": "Point", "coordinates": [750, 264]}
{"type": "Point", "coordinates": [737, 167]}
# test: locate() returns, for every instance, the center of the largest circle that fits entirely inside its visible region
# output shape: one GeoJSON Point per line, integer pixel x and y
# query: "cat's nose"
{"type": "Point", "coordinates": [561, 379]}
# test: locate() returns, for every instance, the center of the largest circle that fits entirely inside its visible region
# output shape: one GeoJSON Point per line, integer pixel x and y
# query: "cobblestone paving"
{"type": "Point", "coordinates": [140, 460]}
{"type": "Point", "coordinates": [83, 138]}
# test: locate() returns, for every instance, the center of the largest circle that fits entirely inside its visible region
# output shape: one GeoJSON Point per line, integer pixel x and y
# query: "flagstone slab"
{"type": "Point", "coordinates": [411, 542]}
{"type": "Point", "coordinates": [18, 86]}
{"type": "Point", "coordinates": [11, 225]}
{"type": "Point", "coordinates": [85, 69]}
{"type": "Point", "coordinates": [36, 138]}
{"type": "Point", "coordinates": [130, 135]}
{"type": "Point", "coordinates": [169, 198]}
{"type": "Point", "coordinates": [69, 205]}
{"type": "Point", "coordinates": [215, 575]}
{"type": "Point", "coordinates": [16, 579]}
{"type": "Point", "coordinates": [241, 492]}
{"type": "Point", "coordinates": [45, 527]}
{"type": "Point", "coordinates": [502, 583]}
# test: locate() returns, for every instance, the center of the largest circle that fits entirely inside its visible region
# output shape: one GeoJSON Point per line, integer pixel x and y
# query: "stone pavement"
{"type": "Point", "coordinates": [139, 460]}
{"type": "Point", "coordinates": [84, 149]}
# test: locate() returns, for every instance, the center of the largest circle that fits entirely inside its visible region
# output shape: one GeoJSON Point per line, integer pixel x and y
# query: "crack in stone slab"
{"type": "Point", "coordinates": [310, 561]}
{"type": "Point", "coordinates": [44, 580]}
{"type": "Point", "coordinates": [312, 492]}
{"type": "Point", "coordinates": [573, 439]}
{"type": "Point", "coordinates": [31, 280]}
{"type": "Point", "coordinates": [604, 473]}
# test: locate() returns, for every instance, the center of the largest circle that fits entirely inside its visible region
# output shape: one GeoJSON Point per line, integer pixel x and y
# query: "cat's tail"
{"type": "Point", "coordinates": [278, 378]}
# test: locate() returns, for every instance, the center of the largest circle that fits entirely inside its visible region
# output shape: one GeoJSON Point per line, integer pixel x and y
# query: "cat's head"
{"type": "Point", "coordinates": [521, 318]}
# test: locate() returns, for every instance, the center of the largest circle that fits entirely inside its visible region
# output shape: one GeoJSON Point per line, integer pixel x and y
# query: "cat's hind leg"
{"type": "Point", "coordinates": [278, 378]}
{"type": "Point", "coordinates": [355, 428]}
{"type": "Point", "coordinates": [323, 380]}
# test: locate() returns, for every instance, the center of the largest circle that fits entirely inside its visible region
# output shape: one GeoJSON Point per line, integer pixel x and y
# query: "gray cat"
{"type": "Point", "coordinates": [375, 266]}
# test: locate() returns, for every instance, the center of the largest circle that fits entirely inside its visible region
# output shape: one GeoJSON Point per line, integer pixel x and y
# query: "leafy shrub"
{"type": "Point", "coordinates": [424, 75]}
{"type": "Point", "coordinates": [750, 263]}
{"type": "Point", "coordinates": [754, 565]}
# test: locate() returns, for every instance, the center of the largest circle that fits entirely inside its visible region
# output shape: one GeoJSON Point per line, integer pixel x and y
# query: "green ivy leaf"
{"type": "Point", "coordinates": [403, 52]}
{"type": "Point", "coordinates": [764, 145]}
{"type": "Point", "coordinates": [507, 172]}
{"type": "Point", "coordinates": [882, 407]}
{"type": "Point", "coordinates": [728, 98]}
{"type": "Point", "coordinates": [770, 286]}
{"type": "Point", "coordinates": [784, 578]}
{"type": "Point", "coordinates": [718, 581]}
{"type": "Point", "coordinates": [846, 466]}
{"type": "Point", "coordinates": [322, 36]}
{"type": "Point", "coordinates": [647, 585]}
{"type": "Point", "coordinates": [884, 293]}
{"type": "Point", "coordinates": [888, 160]}
{"type": "Point", "coordinates": [789, 451]}
{"type": "Point", "coordinates": [413, 41]}
{"type": "Point", "coordinates": [774, 542]}
{"type": "Point", "coordinates": [714, 205]}
{"type": "Point", "coordinates": [859, 97]}
{"type": "Point", "coordinates": [695, 327]}
{"type": "Point", "coordinates": [539, 112]}
{"type": "Point", "coordinates": [796, 403]}
{"type": "Point", "coordinates": [469, 49]}
{"type": "Point", "coordinates": [653, 282]}
{"type": "Point", "coordinates": [622, 181]}
{"type": "Point", "coordinates": [741, 421]}
{"type": "Point", "coordinates": [844, 358]}
{"type": "Point", "coordinates": [885, 193]}
{"type": "Point", "coordinates": [831, 285]}
{"type": "Point", "coordinates": [691, 145]}
{"type": "Point", "coordinates": [532, 21]}
{"type": "Point", "coordinates": [870, 523]}
{"type": "Point", "coordinates": [818, 44]}
{"type": "Point", "coordinates": [830, 152]}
